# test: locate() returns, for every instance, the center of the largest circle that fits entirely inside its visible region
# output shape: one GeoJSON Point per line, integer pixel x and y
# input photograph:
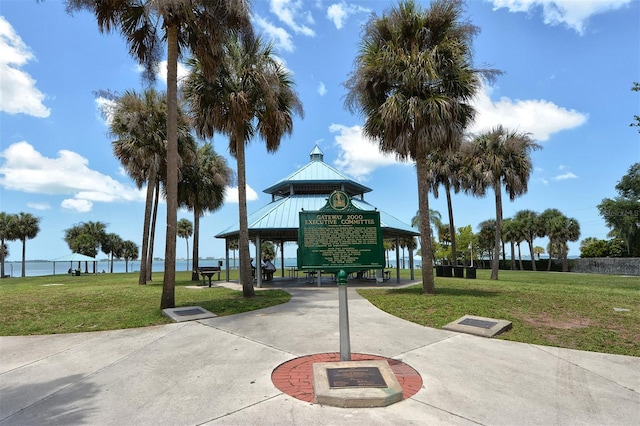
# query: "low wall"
{"type": "Point", "coordinates": [608, 265]}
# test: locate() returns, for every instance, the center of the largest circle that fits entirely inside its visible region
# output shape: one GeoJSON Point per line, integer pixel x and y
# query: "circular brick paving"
{"type": "Point", "coordinates": [295, 377]}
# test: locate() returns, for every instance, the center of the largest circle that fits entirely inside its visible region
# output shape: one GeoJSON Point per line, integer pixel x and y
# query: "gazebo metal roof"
{"type": "Point", "coordinates": [308, 189]}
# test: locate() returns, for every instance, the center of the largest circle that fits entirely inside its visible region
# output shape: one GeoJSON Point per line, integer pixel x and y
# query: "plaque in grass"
{"type": "Point", "coordinates": [340, 236]}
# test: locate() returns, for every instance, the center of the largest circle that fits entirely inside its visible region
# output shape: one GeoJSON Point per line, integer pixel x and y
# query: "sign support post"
{"type": "Point", "coordinates": [343, 307]}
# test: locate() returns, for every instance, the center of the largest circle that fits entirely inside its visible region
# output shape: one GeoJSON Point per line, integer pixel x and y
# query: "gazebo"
{"type": "Point", "coordinates": [308, 189]}
{"type": "Point", "coordinates": [74, 257]}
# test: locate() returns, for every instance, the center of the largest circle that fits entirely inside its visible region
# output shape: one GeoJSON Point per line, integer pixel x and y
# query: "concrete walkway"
{"type": "Point", "coordinates": [218, 371]}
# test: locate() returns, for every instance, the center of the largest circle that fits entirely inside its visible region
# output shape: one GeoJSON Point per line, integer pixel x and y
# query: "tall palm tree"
{"type": "Point", "coordinates": [531, 228]}
{"type": "Point", "coordinates": [139, 124]}
{"type": "Point", "coordinates": [138, 121]}
{"type": "Point", "coordinates": [549, 220]}
{"type": "Point", "coordinates": [233, 246]}
{"type": "Point", "coordinates": [564, 229]}
{"type": "Point", "coordinates": [253, 95]}
{"type": "Point", "coordinates": [202, 189]}
{"type": "Point", "coordinates": [26, 226]}
{"type": "Point", "coordinates": [509, 235]}
{"type": "Point", "coordinates": [129, 252]}
{"type": "Point", "coordinates": [496, 158]}
{"type": "Point", "coordinates": [7, 233]}
{"type": "Point", "coordinates": [486, 238]}
{"type": "Point", "coordinates": [185, 230]}
{"type": "Point", "coordinates": [112, 246]}
{"type": "Point", "coordinates": [444, 168]}
{"type": "Point", "coordinates": [198, 26]}
{"type": "Point", "coordinates": [413, 81]}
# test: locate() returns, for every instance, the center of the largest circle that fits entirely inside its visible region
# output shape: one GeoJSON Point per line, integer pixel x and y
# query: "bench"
{"type": "Point", "coordinates": [209, 271]}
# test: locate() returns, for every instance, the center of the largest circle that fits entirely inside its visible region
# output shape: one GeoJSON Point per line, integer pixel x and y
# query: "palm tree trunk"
{"type": "Point", "coordinates": [496, 248]}
{"type": "Point", "coordinates": [428, 282]}
{"type": "Point", "coordinates": [196, 244]}
{"type": "Point", "coordinates": [24, 256]}
{"type": "Point", "coordinates": [520, 258]}
{"type": "Point", "coordinates": [168, 287]}
{"type": "Point", "coordinates": [246, 278]}
{"type": "Point", "coordinates": [549, 264]}
{"type": "Point", "coordinates": [533, 258]}
{"type": "Point", "coordinates": [512, 261]}
{"type": "Point", "coordinates": [2, 258]}
{"type": "Point", "coordinates": [452, 228]}
{"type": "Point", "coordinates": [152, 232]}
{"type": "Point", "coordinates": [142, 278]}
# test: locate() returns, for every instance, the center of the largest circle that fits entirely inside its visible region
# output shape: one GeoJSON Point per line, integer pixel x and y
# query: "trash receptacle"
{"type": "Point", "coordinates": [447, 270]}
{"type": "Point", "coordinates": [439, 271]}
{"type": "Point", "coordinates": [471, 272]}
{"type": "Point", "coordinates": [458, 271]}
{"type": "Point", "coordinates": [77, 272]}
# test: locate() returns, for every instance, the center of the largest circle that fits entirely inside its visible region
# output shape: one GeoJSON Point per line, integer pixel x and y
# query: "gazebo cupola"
{"type": "Point", "coordinates": [316, 178]}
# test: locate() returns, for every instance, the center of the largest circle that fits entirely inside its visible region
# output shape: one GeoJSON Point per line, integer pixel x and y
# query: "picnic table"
{"type": "Point", "coordinates": [209, 271]}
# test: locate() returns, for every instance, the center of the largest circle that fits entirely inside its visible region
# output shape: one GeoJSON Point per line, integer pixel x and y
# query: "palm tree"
{"type": "Point", "coordinates": [435, 219]}
{"type": "Point", "coordinates": [199, 26]}
{"type": "Point", "coordinates": [444, 168]}
{"type": "Point", "coordinates": [549, 219]}
{"type": "Point", "coordinates": [139, 124]}
{"type": "Point", "coordinates": [496, 158]}
{"type": "Point", "coordinates": [185, 230]}
{"type": "Point", "coordinates": [538, 251]}
{"type": "Point", "coordinates": [233, 246]}
{"type": "Point", "coordinates": [253, 95]}
{"type": "Point", "coordinates": [7, 233]}
{"type": "Point", "coordinates": [112, 246]}
{"type": "Point", "coordinates": [26, 226]}
{"type": "Point", "coordinates": [129, 252]}
{"type": "Point", "coordinates": [531, 228]}
{"type": "Point", "coordinates": [413, 82]}
{"type": "Point", "coordinates": [509, 235]}
{"type": "Point", "coordinates": [202, 189]}
{"type": "Point", "coordinates": [565, 229]}
{"type": "Point", "coordinates": [97, 230]}
{"type": "Point", "coordinates": [486, 238]}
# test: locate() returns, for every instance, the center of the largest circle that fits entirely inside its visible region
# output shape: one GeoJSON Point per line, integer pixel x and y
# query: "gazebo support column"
{"type": "Point", "coordinates": [282, 257]}
{"type": "Point", "coordinates": [397, 259]}
{"type": "Point", "coordinates": [258, 262]}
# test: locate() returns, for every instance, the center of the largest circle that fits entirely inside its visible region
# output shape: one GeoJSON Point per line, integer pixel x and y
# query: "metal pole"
{"type": "Point", "coordinates": [345, 345]}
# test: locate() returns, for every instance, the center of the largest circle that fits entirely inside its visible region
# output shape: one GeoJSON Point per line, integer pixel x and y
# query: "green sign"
{"type": "Point", "coordinates": [340, 236]}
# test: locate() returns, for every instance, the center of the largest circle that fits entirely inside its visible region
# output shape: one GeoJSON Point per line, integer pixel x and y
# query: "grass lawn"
{"type": "Point", "coordinates": [40, 305]}
{"type": "Point", "coordinates": [573, 311]}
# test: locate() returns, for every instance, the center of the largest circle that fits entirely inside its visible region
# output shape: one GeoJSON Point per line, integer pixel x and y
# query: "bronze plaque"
{"type": "Point", "coordinates": [362, 377]}
{"type": "Point", "coordinates": [477, 323]}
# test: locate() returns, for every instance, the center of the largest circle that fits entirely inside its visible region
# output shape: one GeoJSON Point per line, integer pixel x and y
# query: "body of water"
{"type": "Point", "coordinates": [40, 268]}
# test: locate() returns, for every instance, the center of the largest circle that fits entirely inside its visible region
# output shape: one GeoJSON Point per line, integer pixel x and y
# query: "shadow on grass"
{"type": "Point", "coordinates": [447, 291]}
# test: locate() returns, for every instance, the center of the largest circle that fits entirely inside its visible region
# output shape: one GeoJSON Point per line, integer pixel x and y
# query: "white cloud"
{"type": "Point", "coordinates": [339, 12]}
{"type": "Point", "coordinates": [183, 72]}
{"type": "Point", "coordinates": [565, 176]}
{"type": "Point", "coordinates": [39, 206]}
{"type": "Point", "coordinates": [359, 156]}
{"type": "Point", "coordinates": [105, 109]}
{"type": "Point", "coordinates": [573, 13]}
{"type": "Point", "coordinates": [280, 36]}
{"type": "Point", "coordinates": [18, 92]}
{"type": "Point", "coordinates": [322, 89]}
{"type": "Point", "coordinates": [26, 170]}
{"type": "Point", "coordinates": [81, 206]}
{"type": "Point", "coordinates": [539, 117]}
{"type": "Point", "coordinates": [231, 195]}
{"type": "Point", "coordinates": [290, 13]}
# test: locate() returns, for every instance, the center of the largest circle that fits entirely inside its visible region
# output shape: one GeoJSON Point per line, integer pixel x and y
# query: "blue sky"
{"type": "Point", "coordinates": [569, 66]}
